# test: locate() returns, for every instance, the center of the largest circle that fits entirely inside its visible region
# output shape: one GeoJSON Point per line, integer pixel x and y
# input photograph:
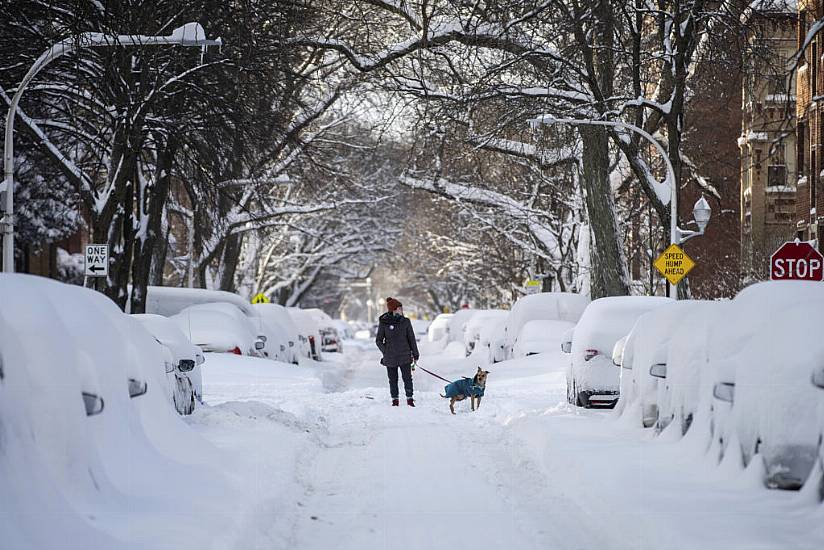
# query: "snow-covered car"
{"type": "Point", "coordinates": [420, 326]}
{"type": "Point", "coordinates": [592, 379]}
{"type": "Point", "coordinates": [308, 333]}
{"type": "Point", "coordinates": [745, 319]}
{"type": "Point", "coordinates": [281, 333]}
{"type": "Point", "coordinates": [540, 336]}
{"type": "Point", "coordinates": [330, 340]}
{"type": "Point", "coordinates": [456, 326]}
{"type": "Point", "coordinates": [437, 330]}
{"type": "Point", "coordinates": [185, 381]}
{"type": "Point", "coordinates": [547, 306]}
{"type": "Point", "coordinates": [644, 360]}
{"type": "Point", "coordinates": [566, 341]}
{"type": "Point", "coordinates": [67, 352]}
{"type": "Point", "coordinates": [494, 335]}
{"type": "Point", "coordinates": [220, 328]}
{"type": "Point", "coordinates": [775, 405]}
{"type": "Point", "coordinates": [346, 330]}
{"type": "Point", "coordinates": [484, 318]}
{"type": "Point", "coordinates": [686, 385]}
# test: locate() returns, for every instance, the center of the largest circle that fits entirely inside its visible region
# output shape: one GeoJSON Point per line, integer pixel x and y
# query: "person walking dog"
{"type": "Point", "coordinates": [396, 340]}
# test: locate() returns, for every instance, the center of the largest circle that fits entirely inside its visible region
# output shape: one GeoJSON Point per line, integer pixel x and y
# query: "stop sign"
{"type": "Point", "coordinates": [797, 261]}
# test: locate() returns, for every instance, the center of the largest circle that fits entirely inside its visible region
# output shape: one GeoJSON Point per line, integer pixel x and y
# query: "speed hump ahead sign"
{"type": "Point", "coordinates": [674, 264]}
{"type": "Point", "coordinates": [260, 298]}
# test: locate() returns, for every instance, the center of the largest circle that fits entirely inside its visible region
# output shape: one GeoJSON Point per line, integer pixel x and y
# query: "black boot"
{"type": "Point", "coordinates": [410, 401]}
{"type": "Point", "coordinates": [395, 402]}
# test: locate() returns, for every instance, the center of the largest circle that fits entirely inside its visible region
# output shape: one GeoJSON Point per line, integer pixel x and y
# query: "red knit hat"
{"type": "Point", "coordinates": [392, 304]}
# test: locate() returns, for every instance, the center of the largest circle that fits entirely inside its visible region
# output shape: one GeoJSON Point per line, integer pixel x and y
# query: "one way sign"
{"type": "Point", "coordinates": [97, 260]}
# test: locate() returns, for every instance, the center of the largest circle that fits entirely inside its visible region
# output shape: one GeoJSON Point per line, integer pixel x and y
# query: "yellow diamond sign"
{"type": "Point", "coordinates": [260, 299]}
{"type": "Point", "coordinates": [674, 264]}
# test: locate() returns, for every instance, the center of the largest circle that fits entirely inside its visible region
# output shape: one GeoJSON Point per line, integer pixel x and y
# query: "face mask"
{"type": "Point", "coordinates": [398, 313]}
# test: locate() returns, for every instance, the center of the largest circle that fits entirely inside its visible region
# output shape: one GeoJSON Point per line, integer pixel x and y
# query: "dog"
{"type": "Point", "coordinates": [466, 387]}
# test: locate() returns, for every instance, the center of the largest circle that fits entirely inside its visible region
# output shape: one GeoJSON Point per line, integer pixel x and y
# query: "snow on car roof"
{"type": "Point", "coordinates": [560, 306]}
{"type": "Point", "coordinates": [168, 301]}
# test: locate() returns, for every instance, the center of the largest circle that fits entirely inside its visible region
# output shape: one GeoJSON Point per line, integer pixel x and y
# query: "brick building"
{"type": "Point", "coordinates": [768, 141]}
{"type": "Point", "coordinates": [809, 206]}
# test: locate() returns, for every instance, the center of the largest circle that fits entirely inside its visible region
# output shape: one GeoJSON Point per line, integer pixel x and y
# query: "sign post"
{"type": "Point", "coordinates": [532, 286]}
{"type": "Point", "coordinates": [796, 261]}
{"type": "Point", "coordinates": [674, 264]}
{"type": "Point", "coordinates": [96, 260]}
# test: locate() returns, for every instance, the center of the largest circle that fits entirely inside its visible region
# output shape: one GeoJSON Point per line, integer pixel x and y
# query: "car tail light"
{"type": "Point", "coordinates": [237, 351]}
{"type": "Point", "coordinates": [589, 354]}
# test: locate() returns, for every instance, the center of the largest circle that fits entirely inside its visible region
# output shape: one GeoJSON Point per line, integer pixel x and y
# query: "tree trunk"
{"type": "Point", "coordinates": [151, 204]}
{"type": "Point", "coordinates": [608, 271]}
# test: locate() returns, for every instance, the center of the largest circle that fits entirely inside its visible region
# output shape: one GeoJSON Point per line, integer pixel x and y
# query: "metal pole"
{"type": "Point", "coordinates": [68, 45]}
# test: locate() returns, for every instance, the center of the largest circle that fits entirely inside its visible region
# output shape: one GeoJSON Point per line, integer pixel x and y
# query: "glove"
{"type": "Point", "coordinates": [414, 364]}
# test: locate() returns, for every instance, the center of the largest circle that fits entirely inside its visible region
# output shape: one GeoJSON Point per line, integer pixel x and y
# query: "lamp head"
{"type": "Point", "coordinates": [702, 212]}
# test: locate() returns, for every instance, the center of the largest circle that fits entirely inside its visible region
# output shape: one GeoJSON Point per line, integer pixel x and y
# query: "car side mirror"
{"type": "Point", "coordinates": [724, 391]}
{"type": "Point", "coordinates": [658, 370]}
{"type": "Point", "coordinates": [262, 338]}
{"type": "Point", "coordinates": [186, 365]}
{"type": "Point", "coordinates": [566, 347]}
{"type": "Point", "coordinates": [282, 347]}
{"type": "Point", "coordinates": [93, 403]}
{"type": "Point", "coordinates": [200, 359]}
{"type": "Point", "coordinates": [259, 345]}
{"type": "Point", "coordinates": [291, 344]}
{"type": "Point", "coordinates": [137, 387]}
{"type": "Point", "coordinates": [818, 378]}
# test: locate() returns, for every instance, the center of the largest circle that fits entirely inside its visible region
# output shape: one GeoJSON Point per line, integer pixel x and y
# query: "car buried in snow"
{"type": "Point", "coordinates": [592, 379]}
{"type": "Point", "coordinates": [183, 361]}
{"type": "Point", "coordinates": [220, 328]}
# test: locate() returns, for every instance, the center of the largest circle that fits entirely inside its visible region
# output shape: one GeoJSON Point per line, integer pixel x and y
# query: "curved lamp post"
{"type": "Point", "coordinates": [666, 190]}
{"type": "Point", "coordinates": [190, 34]}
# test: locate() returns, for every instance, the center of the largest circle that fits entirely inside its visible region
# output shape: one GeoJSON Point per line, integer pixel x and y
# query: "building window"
{"type": "Point", "coordinates": [777, 170]}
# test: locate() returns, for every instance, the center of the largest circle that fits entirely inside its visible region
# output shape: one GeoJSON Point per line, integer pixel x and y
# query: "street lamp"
{"type": "Point", "coordinates": [190, 34]}
{"type": "Point", "coordinates": [665, 190]}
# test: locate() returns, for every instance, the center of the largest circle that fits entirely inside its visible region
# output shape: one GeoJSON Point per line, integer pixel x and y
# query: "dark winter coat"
{"type": "Point", "coordinates": [465, 386]}
{"type": "Point", "coordinates": [396, 340]}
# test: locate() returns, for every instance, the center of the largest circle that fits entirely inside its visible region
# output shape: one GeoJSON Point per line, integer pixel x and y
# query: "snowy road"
{"type": "Point", "coordinates": [326, 463]}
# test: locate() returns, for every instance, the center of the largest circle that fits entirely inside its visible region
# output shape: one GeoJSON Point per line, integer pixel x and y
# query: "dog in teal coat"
{"type": "Point", "coordinates": [466, 387]}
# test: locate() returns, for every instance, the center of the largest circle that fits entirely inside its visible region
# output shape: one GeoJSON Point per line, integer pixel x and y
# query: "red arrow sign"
{"type": "Point", "coordinates": [796, 261]}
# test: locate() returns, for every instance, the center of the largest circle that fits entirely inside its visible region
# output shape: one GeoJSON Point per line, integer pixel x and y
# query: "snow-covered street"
{"type": "Point", "coordinates": [325, 462]}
